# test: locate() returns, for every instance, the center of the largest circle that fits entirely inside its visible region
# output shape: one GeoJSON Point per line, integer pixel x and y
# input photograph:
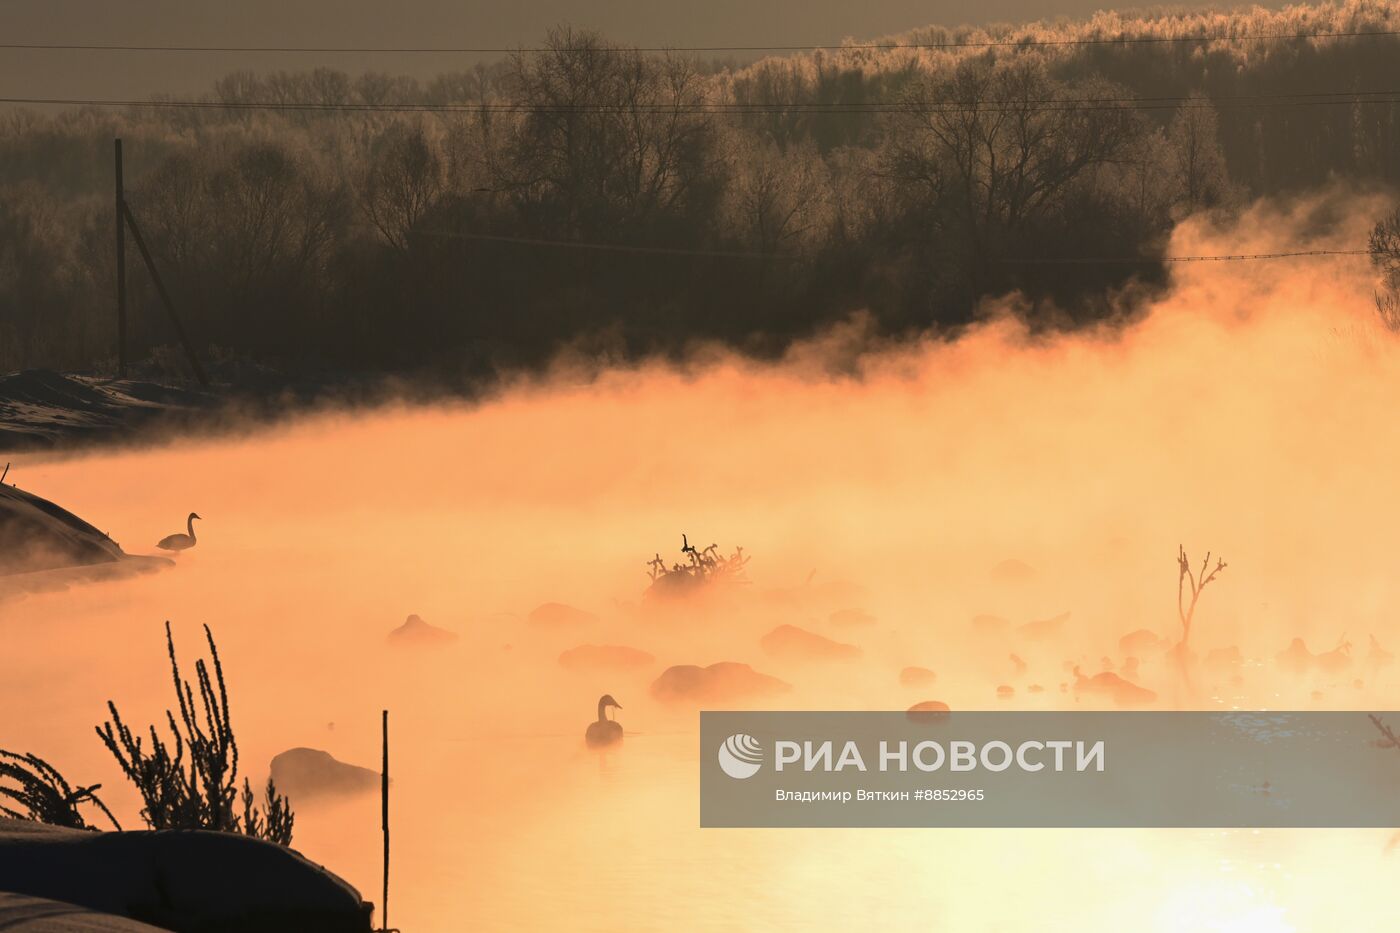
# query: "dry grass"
{"type": "Point", "coordinates": [190, 781]}
{"type": "Point", "coordinates": [44, 795]}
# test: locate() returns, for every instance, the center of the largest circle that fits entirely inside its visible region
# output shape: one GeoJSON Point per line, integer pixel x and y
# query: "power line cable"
{"type": "Point", "coordinates": [1148, 260]}
{"type": "Point", "coordinates": [1041, 105]}
{"type": "Point", "coordinates": [1024, 42]}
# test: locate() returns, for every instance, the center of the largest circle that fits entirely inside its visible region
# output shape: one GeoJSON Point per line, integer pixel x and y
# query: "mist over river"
{"type": "Point", "coordinates": [1247, 412]}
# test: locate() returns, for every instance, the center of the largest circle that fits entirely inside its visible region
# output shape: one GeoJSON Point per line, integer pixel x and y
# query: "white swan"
{"type": "Point", "coordinates": [604, 731]}
{"type": "Point", "coordinates": [180, 542]}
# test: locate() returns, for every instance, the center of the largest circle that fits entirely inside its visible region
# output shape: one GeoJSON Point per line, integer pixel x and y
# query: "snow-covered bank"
{"type": "Point", "coordinates": [179, 880]}
{"type": "Point", "coordinates": [40, 409]}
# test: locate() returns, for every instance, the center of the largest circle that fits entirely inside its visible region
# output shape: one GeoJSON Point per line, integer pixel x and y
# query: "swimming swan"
{"type": "Point", "coordinates": [604, 731]}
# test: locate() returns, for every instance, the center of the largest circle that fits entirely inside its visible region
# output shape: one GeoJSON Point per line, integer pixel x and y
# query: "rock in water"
{"type": "Point", "coordinates": [725, 682]}
{"type": "Point", "coordinates": [989, 624]}
{"type": "Point", "coordinates": [1140, 642]}
{"type": "Point", "coordinates": [851, 618]}
{"type": "Point", "coordinates": [1106, 683]}
{"type": "Point", "coordinates": [1013, 571]}
{"type": "Point", "coordinates": [1043, 628]}
{"type": "Point", "coordinates": [604, 658]}
{"type": "Point", "coordinates": [179, 880]}
{"type": "Point", "coordinates": [560, 614]}
{"type": "Point", "coordinates": [789, 641]}
{"type": "Point", "coordinates": [418, 633]}
{"type": "Point", "coordinates": [301, 773]}
{"type": "Point", "coordinates": [1296, 658]}
{"type": "Point", "coordinates": [929, 711]}
{"type": "Point", "coordinates": [916, 676]}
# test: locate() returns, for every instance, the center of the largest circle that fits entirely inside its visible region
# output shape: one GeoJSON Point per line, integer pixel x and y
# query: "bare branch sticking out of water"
{"type": "Point", "coordinates": [1390, 741]}
{"type": "Point", "coordinates": [703, 565]}
{"type": "Point", "coordinates": [1197, 581]}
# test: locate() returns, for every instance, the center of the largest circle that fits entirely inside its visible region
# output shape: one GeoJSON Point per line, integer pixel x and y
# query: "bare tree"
{"type": "Point", "coordinates": [776, 198]}
{"type": "Point", "coordinates": [243, 234]}
{"type": "Point", "coordinates": [1385, 255]}
{"type": "Point", "coordinates": [403, 181]}
{"type": "Point", "coordinates": [997, 145]}
{"type": "Point", "coordinates": [1201, 179]}
{"type": "Point", "coordinates": [610, 139]}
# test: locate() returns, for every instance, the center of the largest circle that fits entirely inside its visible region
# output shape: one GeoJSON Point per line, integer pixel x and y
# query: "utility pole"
{"type": "Point", "coordinates": [125, 219]}
{"type": "Point", "coordinates": [121, 266]}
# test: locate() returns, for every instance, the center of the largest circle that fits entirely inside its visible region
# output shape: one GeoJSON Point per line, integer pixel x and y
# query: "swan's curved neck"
{"type": "Point", "coordinates": [189, 524]}
{"type": "Point", "coordinates": [602, 712]}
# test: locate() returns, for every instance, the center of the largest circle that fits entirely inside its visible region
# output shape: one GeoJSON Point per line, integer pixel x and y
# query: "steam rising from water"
{"type": "Point", "coordinates": [1248, 413]}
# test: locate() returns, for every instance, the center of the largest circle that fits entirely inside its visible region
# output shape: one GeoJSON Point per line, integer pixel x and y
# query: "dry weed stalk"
{"type": "Point", "coordinates": [44, 795]}
{"type": "Point", "coordinates": [191, 783]}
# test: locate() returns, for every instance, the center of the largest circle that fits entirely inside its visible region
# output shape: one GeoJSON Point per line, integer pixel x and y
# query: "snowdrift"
{"type": "Point", "coordinates": [179, 880]}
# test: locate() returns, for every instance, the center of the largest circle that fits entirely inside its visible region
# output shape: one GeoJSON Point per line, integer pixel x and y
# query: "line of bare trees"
{"type": "Point", "coordinates": [390, 240]}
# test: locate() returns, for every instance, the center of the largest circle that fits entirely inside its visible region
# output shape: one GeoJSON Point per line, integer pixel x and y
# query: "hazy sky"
{"type": "Point", "coordinates": [474, 23]}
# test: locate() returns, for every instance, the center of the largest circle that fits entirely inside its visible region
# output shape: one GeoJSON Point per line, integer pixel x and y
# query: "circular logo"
{"type": "Point", "coordinates": [740, 756]}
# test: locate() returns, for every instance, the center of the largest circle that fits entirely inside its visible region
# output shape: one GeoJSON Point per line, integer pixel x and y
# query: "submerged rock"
{"type": "Point", "coordinates": [1122, 692]}
{"type": "Point", "coordinates": [560, 614]}
{"type": "Point", "coordinates": [989, 624]}
{"type": "Point", "coordinates": [1226, 658]}
{"type": "Point", "coordinates": [419, 633]}
{"type": "Point", "coordinates": [179, 880]}
{"type": "Point", "coordinates": [789, 641]}
{"type": "Point", "coordinates": [929, 711]}
{"type": "Point", "coordinates": [1140, 643]}
{"type": "Point", "coordinates": [1013, 571]}
{"type": "Point", "coordinates": [301, 773]}
{"type": "Point", "coordinates": [916, 676]}
{"type": "Point", "coordinates": [1043, 628]}
{"type": "Point", "coordinates": [851, 618]}
{"type": "Point", "coordinates": [605, 658]}
{"type": "Point", "coordinates": [1296, 658]}
{"type": "Point", "coordinates": [722, 682]}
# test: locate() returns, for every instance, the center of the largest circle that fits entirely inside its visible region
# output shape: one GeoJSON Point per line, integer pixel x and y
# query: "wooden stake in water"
{"type": "Point", "coordinates": [384, 797]}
